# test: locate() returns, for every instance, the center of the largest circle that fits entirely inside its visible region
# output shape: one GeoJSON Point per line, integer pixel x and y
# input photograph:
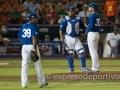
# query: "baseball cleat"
{"type": "Point", "coordinates": [44, 85]}
{"type": "Point", "coordinates": [25, 87]}
{"type": "Point", "coordinates": [70, 71]}
{"type": "Point", "coordinates": [85, 69]}
{"type": "Point", "coordinates": [96, 70]}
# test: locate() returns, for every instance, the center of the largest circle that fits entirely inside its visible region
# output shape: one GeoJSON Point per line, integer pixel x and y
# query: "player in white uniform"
{"type": "Point", "coordinates": [113, 41]}
{"type": "Point", "coordinates": [47, 49]}
{"type": "Point", "coordinates": [69, 32]}
{"type": "Point", "coordinates": [29, 34]}
{"type": "Point", "coordinates": [92, 31]}
{"type": "Point", "coordinates": [3, 44]}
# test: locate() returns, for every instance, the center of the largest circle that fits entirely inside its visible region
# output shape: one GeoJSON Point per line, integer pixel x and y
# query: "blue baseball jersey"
{"type": "Point", "coordinates": [93, 23]}
{"type": "Point", "coordinates": [71, 26]}
{"type": "Point", "coordinates": [27, 31]}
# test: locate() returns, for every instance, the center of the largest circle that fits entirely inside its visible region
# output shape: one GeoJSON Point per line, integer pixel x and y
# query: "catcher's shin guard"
{"type": "Point", "coordinates": [82, 57]}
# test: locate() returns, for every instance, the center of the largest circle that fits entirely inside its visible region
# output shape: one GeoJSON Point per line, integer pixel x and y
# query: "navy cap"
{"type": "Point", "coordinates": [93, 5]}
{"type": "Point", "coordinates": [71, 8]}
{"type": "Point", "coordinates": [32, 15]}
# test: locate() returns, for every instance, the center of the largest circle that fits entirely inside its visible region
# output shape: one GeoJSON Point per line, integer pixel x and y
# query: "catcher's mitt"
{"type": "Point", "coordinates": [33, 56]}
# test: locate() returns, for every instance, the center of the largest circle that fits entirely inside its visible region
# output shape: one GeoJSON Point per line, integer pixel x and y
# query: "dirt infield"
{"type": "Point", "coordinates": [72, 76]}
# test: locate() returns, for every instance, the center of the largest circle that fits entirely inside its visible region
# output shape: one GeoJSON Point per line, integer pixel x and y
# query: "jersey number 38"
{"type": "Point", "coordinates": [26, 33]}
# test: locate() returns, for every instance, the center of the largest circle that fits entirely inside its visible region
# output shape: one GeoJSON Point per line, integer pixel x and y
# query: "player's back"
{"type": "Point", "coordinates": [26, 32]}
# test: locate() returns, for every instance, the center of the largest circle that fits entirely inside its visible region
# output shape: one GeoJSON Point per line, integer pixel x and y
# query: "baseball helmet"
{"type": "Point", "coordinates": [71, 8]}
{"type": "Point", "coordinates": [93, 5]}
{"type": "Point", "coordinates": [32, 15]}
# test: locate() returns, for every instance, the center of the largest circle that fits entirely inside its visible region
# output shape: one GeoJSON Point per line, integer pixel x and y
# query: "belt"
{"type": "Point", "coordinates": [71, 36]}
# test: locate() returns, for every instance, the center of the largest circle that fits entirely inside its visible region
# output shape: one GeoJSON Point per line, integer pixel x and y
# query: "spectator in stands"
{"type": "Point", "coordinates": [77, 11]}
{"type": "Point", "coordinates": [42, 4]}
{"type": "Point", "coordinates": [113, 41]}
{"type": "Point", "coordinates": [64, 2]}
{"type": "Point", "coordinates": [76, 2]}
{"type": "Point", "coordinates": [80, 4]}
{"type": "Point", "coordinates": [84, 14]}
{"type": "Point", "coordinates": [15, 16]}
{"type": "Point", "coordinates": [25, 15]}
{"type": "Point", "coordinates": [33, 5]}
{"type": "Point", "coordinates": [3, 44]}
{"type": "Point", "coordinates": [40, 15]}
{"type": "Point", "coordinates": [111, 10]}
{"type": "Point", "coordinates": [57, 5]}
{"type": "Point", "coordinates": [26, 2]}
{"type": "Point", "coordinates": [62, 12]}
{"type": "Point", "coordinates": [46, 49]}
{"type": "Point", "coordinates": [69, 4]}
{"type": "Point", "coordinates": [52, 14]}
{"type": "Point", "coordinates": [119, 11]}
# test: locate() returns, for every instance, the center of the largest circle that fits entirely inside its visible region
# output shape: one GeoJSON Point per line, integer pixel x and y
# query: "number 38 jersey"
{"type": "Point", "coordinates": [93, 23]}
{"type": "Point", "coordinates": [27, 31]}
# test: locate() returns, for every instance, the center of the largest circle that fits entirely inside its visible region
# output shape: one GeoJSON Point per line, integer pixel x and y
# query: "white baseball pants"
{"type": "Point", "coordinates": [25, 64]}
{"type": "Point", "coordinates": [93, 38]}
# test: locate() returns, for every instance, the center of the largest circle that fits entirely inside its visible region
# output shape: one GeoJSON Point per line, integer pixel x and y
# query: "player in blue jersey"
{"type": "Point", "coordinates": [92, 31]}
{"type": "Point", "coordinates": [29, 34]}
{"type": "Point", "coordinates": [69, 32]}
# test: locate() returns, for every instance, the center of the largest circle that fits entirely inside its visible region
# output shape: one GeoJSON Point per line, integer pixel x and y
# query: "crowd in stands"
{"type": "Point", "coordinates": [52, 11]}
{"type": "Point", "coordinates": [48, 11]}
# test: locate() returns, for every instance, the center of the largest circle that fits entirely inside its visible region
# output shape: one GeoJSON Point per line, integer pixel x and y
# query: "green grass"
{"type": "Point", "coordinates": [106, 63]}
{"type": "Point", "coordinates": [62, 85]}
{"type": "Point", "coordinates": [58, 66]}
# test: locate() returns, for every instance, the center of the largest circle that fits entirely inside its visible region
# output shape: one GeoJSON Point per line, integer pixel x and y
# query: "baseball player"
{"type": "Point", "coordinates": [69, 32]}
{"type": "Point", "coordinates": [46, 49]}
{"type": "Point", "coordinates": [113, 41]}
{"type": "Point", "coordinates": [28, 35]}
{"type": "Point", "coordinates": [92, 31]}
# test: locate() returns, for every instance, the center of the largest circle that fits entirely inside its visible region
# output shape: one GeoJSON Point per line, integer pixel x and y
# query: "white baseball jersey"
{"type": "Point", "coordinates": [113, 39]}
{"type": "Point", "coordinates": [49, 52]}
{"type": "Point", "coordinates": [84, 14]}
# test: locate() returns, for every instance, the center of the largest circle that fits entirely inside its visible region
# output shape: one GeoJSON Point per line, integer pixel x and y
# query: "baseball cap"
{"type": "Point", "coordinates": [32, 15]}
{"type": "Point", "coordinates": [93, 5]}
{"type": "Point", "coordinates": [47, 36]}
{"type": "Point", "coordinates": [71, 8]}
{"type": "Point", "coordinates": [116, 28]}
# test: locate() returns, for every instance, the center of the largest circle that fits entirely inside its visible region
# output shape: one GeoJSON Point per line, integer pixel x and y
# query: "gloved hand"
{"type": "Point", "coordinates": [33, 56]}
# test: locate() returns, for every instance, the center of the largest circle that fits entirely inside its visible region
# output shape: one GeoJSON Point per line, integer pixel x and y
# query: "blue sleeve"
{"type": "Point", "coordinates": [91, 23]}
{"type": "Point", "coordinates": [35, 31]}
{"type": "Point", "coordinates": [63, 24]}
{"type": "Point", "coordinates": [82, 25]}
